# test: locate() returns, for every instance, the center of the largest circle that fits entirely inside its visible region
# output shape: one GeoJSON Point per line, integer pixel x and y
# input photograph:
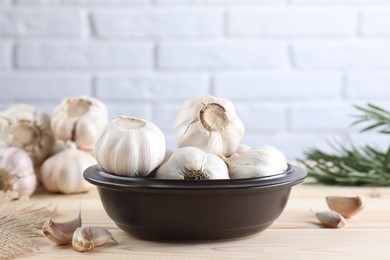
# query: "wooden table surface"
{"type": "Point", "coordinates": [296, 234]}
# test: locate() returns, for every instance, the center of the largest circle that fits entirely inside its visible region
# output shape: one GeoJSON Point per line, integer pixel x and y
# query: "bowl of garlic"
{"type": "Point", "coordinates": [212, 187]}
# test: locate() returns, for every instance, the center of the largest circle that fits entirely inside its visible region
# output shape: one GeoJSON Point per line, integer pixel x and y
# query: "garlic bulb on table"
{"type": "Point", "coordinates": [63, 172]}
{"type": "Point", "coordinates": [79, 119]}
{"type": "Point", "coordinates": [17, 171]}
{"type": "Point", "coordinates": [25, 127]}
{"type": "Point", "coordinates": [191, 163]}
{"type": "Point", "coordinates": [209, 123]}
{"type": "Point", "coordinates": [259, 161]}
{"type": "Point", "coordinates": [130, 146]}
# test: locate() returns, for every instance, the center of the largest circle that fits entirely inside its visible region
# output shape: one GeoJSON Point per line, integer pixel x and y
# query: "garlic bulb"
{"type": "Point", "coordinates": [130, 146]}
{"type": "Point", "coordinates": [191, 163]}
{"type": "Point", "coordinates": [27, 128]}
{"type": "Point", "coordinates": [86, 238]}
{"type": "Point", "coordinates": [63, 172]}
{"type": "Point", "coordinates": [16, 171]}
{"type": "Point", "coordinates": [209, 123]}
{"type": "Point", "coordinates": [79, 119]}
{"type": "Point", "coordinates": [260, 161]}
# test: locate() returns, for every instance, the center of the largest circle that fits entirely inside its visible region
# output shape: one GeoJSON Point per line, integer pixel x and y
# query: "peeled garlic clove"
{"type": "Point", "coordinates": [16, 171]}
{"type": "Point", "coordinates": [130, 146]}
{"type": "Point", "coordinates": [331, 219]}
{"type": "Point", "coordinates": [79, 119]}
{"type": "Point", "coordinates": [259, 161]}
{"type": "Point", "coordinates": [61, 233]}
{"type": "Point", "coordinates": [209, 123]}
{"type": "Point", "coordinates": [346, 206]}
{"type": "Point", "coordinates": [191, 163]}
{"type": "Point", "coordinates": [86, 238]}
{"type": "Point", "coordinates": [63, 172]}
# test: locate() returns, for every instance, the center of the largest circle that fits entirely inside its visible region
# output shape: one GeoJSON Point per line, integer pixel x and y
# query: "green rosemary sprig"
{"type": "Point", "coordinates": [350, 165]}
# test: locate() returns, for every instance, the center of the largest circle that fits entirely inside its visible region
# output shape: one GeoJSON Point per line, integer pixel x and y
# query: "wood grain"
{"type": "Point", "coordinates": [296, 234]}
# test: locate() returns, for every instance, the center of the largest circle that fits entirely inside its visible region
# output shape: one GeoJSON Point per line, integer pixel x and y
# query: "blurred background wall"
{"type": "Point", "coordinates": [292, 67]}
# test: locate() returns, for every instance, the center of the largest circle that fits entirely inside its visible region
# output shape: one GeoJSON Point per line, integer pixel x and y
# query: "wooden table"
{"type": "Point", "coordinates": [296, 234]}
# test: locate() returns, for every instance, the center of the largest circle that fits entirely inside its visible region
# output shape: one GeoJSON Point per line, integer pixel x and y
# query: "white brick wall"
{"type": "Point", "coordinates": [294, 68]}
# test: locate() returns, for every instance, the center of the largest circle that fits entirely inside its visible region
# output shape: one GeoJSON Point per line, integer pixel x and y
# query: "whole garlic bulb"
{"type": "Point", "coordinates": [260, 161]}
{"type": "Point", "coordinates": [25, 127]}
{"type": "Point", "coordinates": [63, 172]}
{"type": "Point", "coordinates": [17, 171]}
{"type": "Point", "coordinates": [191, 163]}
{"type": "Point", "coordinates": [130, 146]}
{"type": "Point", "coordinates": [209, 123]}
{"type": "Point", "coordinates": [79, 119]}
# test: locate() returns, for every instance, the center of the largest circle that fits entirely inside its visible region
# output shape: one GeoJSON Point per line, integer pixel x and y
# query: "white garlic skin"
{"type": "Point", "coordinates": [130, 146]}
{"type": "Point", "coordinates": [17, 171]}
{"type": "Point", "coordinates": [87, 238]}
{"type": "Point", "coordinates": [209, 123]}
{"type": "Point", "coordinates": [79, 119]}
{"type": "Point", "coordinates": [260, 161]}
{"type": "Point", "coordinates": [242, 148]}
{"type": "Point", "coordinates": [25, 127]}
{"type": "Point", "coordinates": [184, 162]}
{"type": "Point", "coordinates": [63, 172]}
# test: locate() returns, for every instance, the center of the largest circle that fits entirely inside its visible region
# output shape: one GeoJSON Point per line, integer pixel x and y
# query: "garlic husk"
{"type": "Point", "coordinates": [25, 127]}
{"type": "Point", "coordinates": [86, 238]}
{"type": "Point", "coordinates": [191, 163]}
{"type": "Point", "coordinates": [346, 206]}
{"type": "Point", "coordinates": [17, 171]}
{"type": "Point", "coordinates": [79, 119]}
{"type": "Point", "coordinates": [331, 219]}
{"type": "Point", "coordinates": [61, 233]}
{"type": "Point", "coordinates": [242, 148]}
{"type": "Point", "coordinates": [209, 123]}
{"type": "Point", "coordinates": [63, 172]}
{"type": "Point", "coordinates": [130, 146]}
{"type": "Point", "coordinates": [260, 161]}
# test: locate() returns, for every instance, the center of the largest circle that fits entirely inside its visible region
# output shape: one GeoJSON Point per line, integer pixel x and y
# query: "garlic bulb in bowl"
{"type": "Point", "coordinates": [79, 119]}
{"type": "Point", "coordinates": [209, 123]}
{"type": "Point", "coordinates": [16, 171]}
{"type": "Point", "coordinates": [191, 163]}
{"type": "Point", "coordinates": [260, 161]}
{"type": "Point", "coordinates": [130, 146]}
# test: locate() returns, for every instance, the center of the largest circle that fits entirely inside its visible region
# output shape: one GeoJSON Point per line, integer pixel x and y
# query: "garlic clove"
{"type": "Point", "coordinates": [346, 206]}
{"type": "Point", "coordinates": [331, 219]}
{"type": "Point", "coordinates": [242, 148]}
{"type": "Point", "coordinates": [61, 233]}
{"type": "Point", "coordinates": [86, 238]}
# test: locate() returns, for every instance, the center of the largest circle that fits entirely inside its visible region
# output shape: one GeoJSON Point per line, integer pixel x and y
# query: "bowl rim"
{"type": "Point", "coordinates": [97, 176]}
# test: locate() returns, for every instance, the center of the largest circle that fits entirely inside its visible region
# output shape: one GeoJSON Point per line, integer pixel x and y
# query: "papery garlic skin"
{"type": "Point", "coordinates": [344, 205]}
{"type": "Point", "coordinates": [86, 238]}
{"type": "Point", "coordinates": [260, 161]}
{"type": "Point", "coordinates": [242, 148]}
{"type": "Point", "coordinates": [209, 123]}
{"type": "Point", "coordinates": [17, 171]}
{"type": "Point", "coordinates": [61, 233]}
{"type": "Point", "coordinates": [130, 146]}
{"type": "Point", "coordinates": [79, 119]}
{"type": "Point", "coordinates": [191, 163]}
{"type": "Point", "coordinates": [63, 172]}
{"type": "Point", "coordinates": [25, 127]}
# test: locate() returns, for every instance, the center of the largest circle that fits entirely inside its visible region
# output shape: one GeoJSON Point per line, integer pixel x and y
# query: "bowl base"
{"type": "Point", "coordinates": [175, 235]}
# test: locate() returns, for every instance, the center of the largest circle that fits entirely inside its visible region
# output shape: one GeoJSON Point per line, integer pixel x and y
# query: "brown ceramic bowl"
{"type": "Point", "coordinates": [158, 209]}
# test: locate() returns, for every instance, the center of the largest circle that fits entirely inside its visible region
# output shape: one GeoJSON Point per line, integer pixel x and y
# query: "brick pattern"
{"type": "Point", "coordinates": [293, 68]}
